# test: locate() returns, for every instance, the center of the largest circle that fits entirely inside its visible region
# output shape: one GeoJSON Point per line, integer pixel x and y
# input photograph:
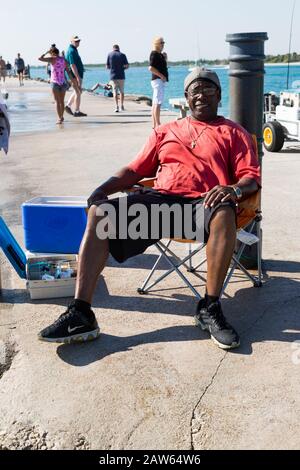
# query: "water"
{"type": "Point", "coordinates": [26, 112]}
{"type": "Point", "coordinates": [138, 81]}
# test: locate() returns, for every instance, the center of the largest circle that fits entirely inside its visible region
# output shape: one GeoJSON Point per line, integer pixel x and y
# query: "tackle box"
{"type": "Point", "coordinates": [48, 276]}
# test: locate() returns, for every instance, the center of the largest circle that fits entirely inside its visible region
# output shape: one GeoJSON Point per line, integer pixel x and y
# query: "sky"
{"type": "Point", "coordinates": [31, 26]}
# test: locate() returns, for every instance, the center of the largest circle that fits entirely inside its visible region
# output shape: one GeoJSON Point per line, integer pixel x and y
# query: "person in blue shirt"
{"type": "Point", "coordinates": [74, 60]}
{"type": "Point", "coordinates": [117, 63]}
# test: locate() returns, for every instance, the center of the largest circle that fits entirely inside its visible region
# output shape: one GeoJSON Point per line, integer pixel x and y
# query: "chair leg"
{"type": "Point", "coordinates": [259, 254]}
{"type": "Point", "coordinates": [168, 250]}
{"type": "Point", "coordinates": [143, 289]}
{"type": "Point", "coordinates": [174, 267]}
{"type": "Point", "coordinates": [191, 268]}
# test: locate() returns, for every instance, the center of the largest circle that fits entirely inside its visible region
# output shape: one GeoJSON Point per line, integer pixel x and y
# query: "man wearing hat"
{"type": "Point", "coordinates": [74, 60]}
{"type": "Point", "coordinates": [204, 160]}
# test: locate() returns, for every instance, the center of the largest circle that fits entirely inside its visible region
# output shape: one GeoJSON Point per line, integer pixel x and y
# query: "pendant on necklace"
{"type": "Point", "coordinates": [193, 145]}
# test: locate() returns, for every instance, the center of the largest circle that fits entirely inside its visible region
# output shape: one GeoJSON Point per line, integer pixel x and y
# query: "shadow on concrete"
{"type": "Point", "coordinates": [282, 266]}
{"type": "Point", "coordinates": [270, 314]}
{"type": "Point", "coordinates": [14, 296]}
{"type": "Point", "coordinates": [107, 345]}
{"type": "Point", "coordinates": [291, 149]}
{"type": "Point", "coordinates": [143, 261]}
{"type": "Point", "coordinates": [253, 312]}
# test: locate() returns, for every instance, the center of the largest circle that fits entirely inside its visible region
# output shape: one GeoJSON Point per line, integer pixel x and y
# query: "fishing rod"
{"type": "Point", "coordinates": [290, 45]}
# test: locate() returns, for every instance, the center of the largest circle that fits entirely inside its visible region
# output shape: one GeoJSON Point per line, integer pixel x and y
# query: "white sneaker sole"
{"type": "Point", "coordinates": [81, 338]}
{"type": "Point", "coordinates": [225, 347]}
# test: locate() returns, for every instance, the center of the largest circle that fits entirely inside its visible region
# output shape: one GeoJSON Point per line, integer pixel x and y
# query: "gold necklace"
{"type": "Point", "coordinates": [194, 141]}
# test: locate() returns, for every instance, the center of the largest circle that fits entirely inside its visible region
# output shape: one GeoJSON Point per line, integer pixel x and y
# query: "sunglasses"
{"type": "Point", "coordinates": [207, 91]}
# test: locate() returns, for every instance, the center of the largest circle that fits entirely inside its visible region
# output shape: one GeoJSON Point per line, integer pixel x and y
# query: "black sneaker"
{"type": "Point", "coordinates": [72, 327]}
{"type": "Point", "coordinates": [211, 319]}
{"type": "Point", "coordinates": [79, 114]}
{"type": "Point", "coordinates": [69, 110]}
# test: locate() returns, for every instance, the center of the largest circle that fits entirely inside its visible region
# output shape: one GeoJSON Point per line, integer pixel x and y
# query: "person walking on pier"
{"type": "Point", "coordinates": [59, 67]}
{"type": "Point", "coordinates": [117, 63]}
{"type": "Point", "coordinates": [77, 69]}
{"type": "Point", "coordinates": [2, 70]}
{"type": "Point", "coordinates": [20, 67]}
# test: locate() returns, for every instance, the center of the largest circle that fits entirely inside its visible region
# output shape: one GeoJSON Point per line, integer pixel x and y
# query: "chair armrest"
{"type": "Point", "coordinates": [145, 183]}
{"type": "Point", "coordinates": [248, 210]}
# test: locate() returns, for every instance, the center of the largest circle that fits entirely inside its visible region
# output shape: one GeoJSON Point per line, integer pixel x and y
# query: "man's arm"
{"type": "Point", "coordinates": [145, 165]}
{"type": "Point", "coordinates": [248, 186]}
{"type": "Point", "coordinates": [75, 71]}
{"type": "Point", "coordinates": [72, 79]}
{"type": "Point", "coordinates": [126, 64]}
{"type": "Point", "coordinates": [124, 179]}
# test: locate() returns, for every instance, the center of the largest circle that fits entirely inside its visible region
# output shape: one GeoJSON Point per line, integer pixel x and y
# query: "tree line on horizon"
{"type": "Point", "coordinates": [272, 59]}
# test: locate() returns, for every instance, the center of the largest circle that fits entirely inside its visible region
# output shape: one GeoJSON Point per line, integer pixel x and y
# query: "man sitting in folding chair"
{"type": "Point", "coordinates": [202, 160]}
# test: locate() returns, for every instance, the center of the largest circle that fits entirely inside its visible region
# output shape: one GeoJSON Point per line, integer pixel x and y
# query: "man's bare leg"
{"type": "Point", "coordinates": [78, 323]}
{"type": "Point", "coordinates": [156, 115]}
{"type": "Point", "coordinates": [122, 97]}
{"type": "Point", "coordinates": [116, 97]}
{"type": "Point", "coordinates": [219, 249]}
{"type": "Point", "coordinates": [93, 256]}
{"type": "Point", "coordinates": [71, 99]}
{"type": "Point", "coordinates": [78, 98]}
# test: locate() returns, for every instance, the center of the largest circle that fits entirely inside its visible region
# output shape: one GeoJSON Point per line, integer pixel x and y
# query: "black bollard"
{"type": "Point", "coordinates": [247, 82]}
{"type": "Point", "coordinates": [246, 74]}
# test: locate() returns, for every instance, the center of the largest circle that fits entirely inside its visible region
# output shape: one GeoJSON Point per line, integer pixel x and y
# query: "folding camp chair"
{"type": "Point", "coordinates": [249, 218]}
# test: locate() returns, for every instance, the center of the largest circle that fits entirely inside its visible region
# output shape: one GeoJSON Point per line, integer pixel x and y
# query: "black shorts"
{"type": "Point", "coordinates": [124, 248]}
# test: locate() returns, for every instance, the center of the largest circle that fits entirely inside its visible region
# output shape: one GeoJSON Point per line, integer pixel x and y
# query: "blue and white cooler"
{"type": "Point", "coordinates": [54, 224]}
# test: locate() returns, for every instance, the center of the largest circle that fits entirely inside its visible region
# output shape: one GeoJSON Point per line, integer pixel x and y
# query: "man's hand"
{"type": "Point", "coordinates": [218, 195]}
{"type": "Point", "coordinates": [96, 196]}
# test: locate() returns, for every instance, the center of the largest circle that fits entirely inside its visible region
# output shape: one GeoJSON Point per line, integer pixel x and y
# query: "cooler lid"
{"type": "Point", "coordinates": [12, 250]}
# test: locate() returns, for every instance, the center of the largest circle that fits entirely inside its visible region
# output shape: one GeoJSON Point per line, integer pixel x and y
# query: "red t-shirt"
{"type": "Point", "coordinates": [223, 155]}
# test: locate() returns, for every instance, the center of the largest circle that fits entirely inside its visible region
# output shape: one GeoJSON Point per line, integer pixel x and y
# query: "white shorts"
{"type": "Point", "coordinates": [158, 91]}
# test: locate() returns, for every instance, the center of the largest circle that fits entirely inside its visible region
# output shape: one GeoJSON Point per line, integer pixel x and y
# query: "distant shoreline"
{"type": "Point", "coordinates": [268, 64]}
{"type": "Point", "coordinates": [281, 64]}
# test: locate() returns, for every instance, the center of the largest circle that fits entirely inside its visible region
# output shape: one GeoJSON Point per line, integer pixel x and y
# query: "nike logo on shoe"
{"type": "Point", "coordinates": [71, 330]}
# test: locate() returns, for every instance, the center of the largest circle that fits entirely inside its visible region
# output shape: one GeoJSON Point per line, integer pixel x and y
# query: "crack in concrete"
{"type": "Point", "coordinates": [133, 430]}
{"type": "Point", "coordinates": [194, 417]}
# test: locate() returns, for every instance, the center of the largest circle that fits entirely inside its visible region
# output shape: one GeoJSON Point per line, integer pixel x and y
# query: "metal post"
{"type": "Point", "coordinates": [246, 74]}
{"type": "Point", "coordinates": [247, 82]}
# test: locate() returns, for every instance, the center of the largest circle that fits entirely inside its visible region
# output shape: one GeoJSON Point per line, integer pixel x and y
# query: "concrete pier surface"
{"type": "Point", "coordinates": [152, 380]}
